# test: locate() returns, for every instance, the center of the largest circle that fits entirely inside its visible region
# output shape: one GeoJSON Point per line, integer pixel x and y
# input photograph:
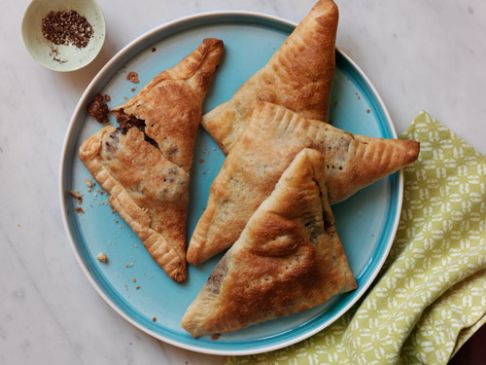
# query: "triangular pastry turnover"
{"type": "Point", "coordinates": [298, 76]}
{"type": "Point", "coordinates": [273, 138]}
{"type": "Point", "coordinates": [144, 164]}
{"type": "Point", "coordinates": [288, 258]}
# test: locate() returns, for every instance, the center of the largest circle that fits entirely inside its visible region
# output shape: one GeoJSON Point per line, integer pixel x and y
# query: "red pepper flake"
{"type": "Point", "coordinates": [154, 319]}
{"type": "Point", "coordinates": [368, 111]}
{"type": "Point", "coordinates": [98, 109]}
{"type": "Point", "coordinates": [54, 53]}
{"type": "Point", "coordinates": [79, 210]}
{"type": "Point", "coordinates": [154, 49]}
{"type": "Point", "coordinates": [133, 89]}
{"type": "Point", "coordinates": [132, 76]}
{"type": "Point", "coordinates": [137, 287]}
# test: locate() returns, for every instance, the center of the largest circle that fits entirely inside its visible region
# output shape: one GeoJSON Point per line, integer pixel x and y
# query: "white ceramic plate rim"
{"type": "Point", "coordinates": [114, 60]}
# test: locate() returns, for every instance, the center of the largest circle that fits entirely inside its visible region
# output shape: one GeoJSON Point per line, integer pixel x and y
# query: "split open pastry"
{"type": "Point", "coordinates": [298, 76]}
{"type": "Point", "coordinates": [273, 138]}
{"type": "Point", "coordinates": [144, 164]}
{"type": "Point", "coordinates": [288, 258]}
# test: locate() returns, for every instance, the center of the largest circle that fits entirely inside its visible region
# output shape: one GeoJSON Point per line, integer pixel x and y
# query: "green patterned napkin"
{"type": "Point", "coordinates": [431, 294]}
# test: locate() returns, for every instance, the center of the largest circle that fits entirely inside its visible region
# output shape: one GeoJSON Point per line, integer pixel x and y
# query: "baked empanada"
{"type": "Point", "coordinates": [288, 258]}
{"type": "Point", "coordinates": [273, 138]}
{"type": "Point", "coordinates": [170, 106]}
{"type": "Point", "coordinates": [298, 76]}
{"type": "Point", "coordinates": [144, 164]}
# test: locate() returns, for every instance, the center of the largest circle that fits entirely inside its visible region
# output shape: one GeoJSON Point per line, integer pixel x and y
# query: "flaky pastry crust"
{"type": "Point", "coordinates": [288, 258]}
{"type": "Point", "coordinates": [273, 138]}
{"type": "Point", "coordinates": [298, 76]}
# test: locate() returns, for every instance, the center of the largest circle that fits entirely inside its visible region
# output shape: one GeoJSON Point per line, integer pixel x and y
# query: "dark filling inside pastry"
{"type": "Point", "coordinates": [98, 108]}
{"type": "Point", "coordinates": [127, 121]}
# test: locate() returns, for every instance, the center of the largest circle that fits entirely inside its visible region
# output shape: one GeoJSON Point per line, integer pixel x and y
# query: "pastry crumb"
{"type": "Point", "coordinates": [76, 196]}
{"type": "Point", "coordinates": [154, 319]}
{"type": "Point", "coordinates": [132, 76]}
{"type": "Point", "coordinates": [133, 89]}
{"type": "Point", "coordinates": [90, 184]}
{"type": "Point", "coordinates": [215, 336]}
{"type": "Point", "coordinates": [154, 49]}
{"type": "Point", "coordinates": [368, 111]}
{"type": "Point", "coordinates": [79, 210]}
{"type": "Point", "coordinates": [102, 257]}
{"type": "Point", "coordinates": [107, 98]}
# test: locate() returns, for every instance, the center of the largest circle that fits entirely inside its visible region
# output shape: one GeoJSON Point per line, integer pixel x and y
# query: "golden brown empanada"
{"type": "Point", "coordinates": [148, 191]}
{"type": "Point", "coordinates": [298, 76]}
{"type": "Point", "coordinates": [273, 138]}
{"type": "Point", "coordinates": [171, 104]}
{"type": "Point", "coordinates": [288, 258]}
{"type": "Point", "coordinates": [144, 164]}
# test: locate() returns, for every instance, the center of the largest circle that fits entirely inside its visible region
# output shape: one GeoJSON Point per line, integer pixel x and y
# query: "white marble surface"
{"type": "Point", "coordinates": [420, 55]}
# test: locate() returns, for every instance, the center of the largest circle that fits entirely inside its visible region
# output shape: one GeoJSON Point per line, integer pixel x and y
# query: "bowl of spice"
{"type": "Point", "coordinates": [63, 35]}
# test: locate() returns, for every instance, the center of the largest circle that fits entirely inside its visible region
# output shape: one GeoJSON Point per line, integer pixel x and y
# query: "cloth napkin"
{"type": "Point", "coordinates": [430, 296]}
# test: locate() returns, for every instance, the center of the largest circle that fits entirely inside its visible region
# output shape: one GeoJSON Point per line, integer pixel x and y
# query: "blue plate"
{"type": "Point", "coordinates": [366, 222]}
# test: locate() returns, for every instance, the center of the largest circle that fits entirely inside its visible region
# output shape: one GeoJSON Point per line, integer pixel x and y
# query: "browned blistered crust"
{"type": "Point", "coordinates": [288, 258]}
{"type": "Point", "coordinates": [272, 139]}
{"type": "Point", "coordinates": [298, 76]}
{"type": "Point", "coordinates": [171, 103]}
{"type": "Point", "coordinates": [146, 171]}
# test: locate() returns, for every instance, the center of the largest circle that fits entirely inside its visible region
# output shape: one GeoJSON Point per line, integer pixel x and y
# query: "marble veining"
{"type": "Point", "coordinates": [419, 54]}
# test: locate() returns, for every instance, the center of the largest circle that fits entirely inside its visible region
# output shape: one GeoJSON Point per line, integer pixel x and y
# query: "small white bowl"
{"type": "Point", "coordinates": [62, 58]}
